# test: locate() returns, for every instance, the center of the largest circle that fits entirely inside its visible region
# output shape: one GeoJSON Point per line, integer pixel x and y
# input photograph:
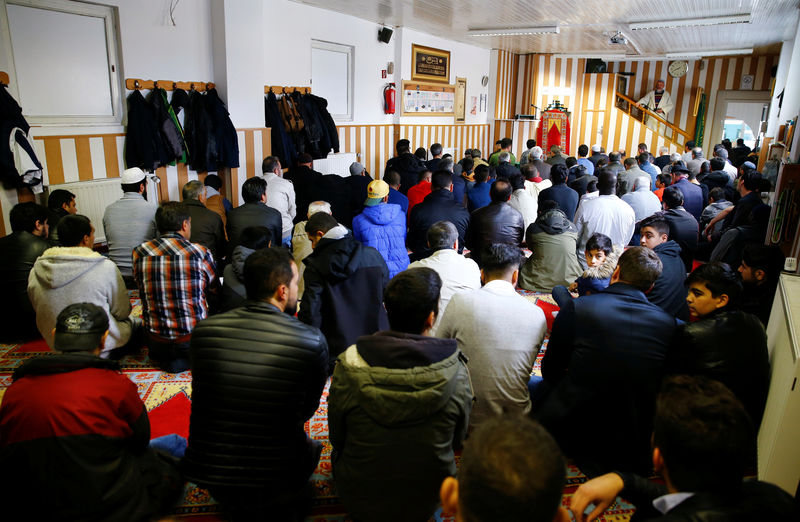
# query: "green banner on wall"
{"type": "Point", "coordinates": [700, 127]}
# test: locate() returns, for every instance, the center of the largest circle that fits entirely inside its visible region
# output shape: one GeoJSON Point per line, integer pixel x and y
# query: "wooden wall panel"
{"type": "Point", "coordinates": [506, 85]}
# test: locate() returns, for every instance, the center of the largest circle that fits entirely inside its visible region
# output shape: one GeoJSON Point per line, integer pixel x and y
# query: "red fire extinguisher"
{"type": "Point", "coordinates": [388, 99]}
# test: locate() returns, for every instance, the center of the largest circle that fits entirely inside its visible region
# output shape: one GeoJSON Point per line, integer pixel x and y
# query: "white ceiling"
{"type": "Point", "coordinates": [584, 22]}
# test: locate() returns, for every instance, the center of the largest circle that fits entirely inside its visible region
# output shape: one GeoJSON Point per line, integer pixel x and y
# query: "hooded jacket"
{"type": "Point", "coordinates": [233, 292]}
{"type": "Point", "coordinates": [344, 283]}
{"type": "Point", "coordinates": [552, 240]}
{"type": "Point", "coordinates": [383, 227]}
{"type": "Point", "coordinates": [74, 440]}
{"type": "Point", "coordinates": [66, 275]}
{"type": "Point", "coordinates": [595, 279]}
{"type": "Point", "coordinates": [398, 402]}
{"type": "Point", "coordinates": [669, 291]}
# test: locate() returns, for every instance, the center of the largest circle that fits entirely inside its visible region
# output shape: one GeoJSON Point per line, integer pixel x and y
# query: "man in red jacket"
{"type": "Point", "coordinates": [74, 435]}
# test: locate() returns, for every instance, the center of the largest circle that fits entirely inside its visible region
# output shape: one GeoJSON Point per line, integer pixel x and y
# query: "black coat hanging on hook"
{"type": "Point", "coordinates": [144, 147]}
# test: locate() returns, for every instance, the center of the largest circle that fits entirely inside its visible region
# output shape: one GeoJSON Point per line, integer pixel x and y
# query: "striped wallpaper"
{"type": "Point", "coordinates": [519, 131]}
{"type": "Point", "coordinates": [507, 75]}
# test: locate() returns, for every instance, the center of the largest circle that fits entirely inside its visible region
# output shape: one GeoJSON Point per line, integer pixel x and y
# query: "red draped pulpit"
{"type": "Point", "coordinates": [554, 128]}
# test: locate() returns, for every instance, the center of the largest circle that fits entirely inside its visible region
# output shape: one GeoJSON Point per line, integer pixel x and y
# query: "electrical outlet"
{"type": "Point", "coordinates": [791, 264]}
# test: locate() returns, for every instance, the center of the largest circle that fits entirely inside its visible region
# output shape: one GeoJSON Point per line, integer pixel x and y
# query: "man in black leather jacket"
{"type": "Point", "coordinates": [701, 436]}
{"type": "Point", "coordinates": [257, 376]}
{"type": "Point", "coordinates": [19, 251]}
{"type": "Point", "coordinates": [497, 222]}
{"type": "Point", "coordinates": [726, 344]}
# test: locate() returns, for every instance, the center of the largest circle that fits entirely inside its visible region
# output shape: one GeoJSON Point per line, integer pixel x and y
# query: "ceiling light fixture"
{"type": "Point", "coordinates": [691, 22]}
{"type": "Point", "coordinates": [514, 31]}
{"type": "Point", "coordinates": [591, 54]}
{"type": "Point", "coordinates": [701, 54]}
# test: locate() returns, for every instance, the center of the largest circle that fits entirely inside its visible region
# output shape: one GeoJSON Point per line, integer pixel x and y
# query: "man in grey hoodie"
{"type": "Point", "coordinates": [75, 273]}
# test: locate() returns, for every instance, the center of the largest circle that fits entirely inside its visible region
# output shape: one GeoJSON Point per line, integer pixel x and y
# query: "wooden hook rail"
{"type": "Point", "coordinates": [4, 78]}
{"type": "Point", "coordinates": [168, 85]}
{"type": "Point", "coordinates": [280, 89]}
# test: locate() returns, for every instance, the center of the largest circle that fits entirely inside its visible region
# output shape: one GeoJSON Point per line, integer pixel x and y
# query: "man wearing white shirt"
{"type": "Point", "coordinates": [458, 273]}
{"type": "Point", "coordinates": [606, 214]}
{"type": "Point", "coordinates": [534, 182]}
{"type": "Point", "coordinates": [500, 332]}
{"type": "Point", "coordinates": [658, 101]}
{"type": "Point", "coordinates": [280, 196]}
{"type": "Point", "coordinates": [522, 201]}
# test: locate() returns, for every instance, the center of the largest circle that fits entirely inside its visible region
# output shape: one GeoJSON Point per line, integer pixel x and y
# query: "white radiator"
{"type": "Point", "coordinates": [338, 163]}
{"type": "Point", "coordinates": [92, 198]}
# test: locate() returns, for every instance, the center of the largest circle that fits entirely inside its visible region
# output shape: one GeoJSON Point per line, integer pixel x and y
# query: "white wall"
{"type": "Point", "coordinates": [773, 120]}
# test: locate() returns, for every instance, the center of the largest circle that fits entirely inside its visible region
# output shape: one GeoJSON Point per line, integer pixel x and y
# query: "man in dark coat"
{"type": "Point", "coordinates": [683, 227]}
{"type": "Point", "coordinates": [760, 269]}
{"type": "Point", "coordinates": [542, 167]}
{"type": "Point", "coordinates": [701, 439]}
{"type": "Point", "coordinates": [207, 227]}
{"type": "Point", "coordinates": [566, 197]}
{"type": "Point", "coordinates": [437, 206]}
{"type": "Point", "coordinates": [304, 178]}
{"type": "Point", "coordinates": [668, 291]}
{"type": "Point", "coordinates": [20, 249]}
{"type": "Point", "coordinates": [606, 353]}
{"type": "Point", "coordinates": [257, 377]}
{"type": "Point", "coordinates": [407, 165]}
{"type": "Point", "coordinates": [498, 222]}
{"type": "Point", "coordinates": [344, 283]}
{"type": "Point", "coordinates": [254, 213]}
{"type": "Point", "coordinates": [692, 194]}
{"type": "Point", "coordinates": [505, 169]}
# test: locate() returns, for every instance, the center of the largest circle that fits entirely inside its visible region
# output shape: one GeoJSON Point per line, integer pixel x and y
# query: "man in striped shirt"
{"type": "Point", "coordinates": [173, 276]}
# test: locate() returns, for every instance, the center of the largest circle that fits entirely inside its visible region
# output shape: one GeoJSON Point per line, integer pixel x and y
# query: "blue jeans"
{"type": "Point", "coordinates": [173, 444]}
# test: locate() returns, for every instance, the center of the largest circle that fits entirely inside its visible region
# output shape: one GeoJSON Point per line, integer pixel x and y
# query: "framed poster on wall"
{"type": "Point", "coordinates": [421, 99]}
{"type": "Point", "coordinates": [429, 64]}
{"type": "Point", "coordinates": [460, 107]}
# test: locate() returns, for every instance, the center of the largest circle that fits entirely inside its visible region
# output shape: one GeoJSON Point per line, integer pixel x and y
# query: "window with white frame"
{"type": "Point", "coordinates": [65, 61]}
{"type": "Point", "coordinates": [332, 77]}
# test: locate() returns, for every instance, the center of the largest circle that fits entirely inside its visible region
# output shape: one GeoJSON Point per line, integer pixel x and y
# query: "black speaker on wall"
{"type": "Point", "coordinates": [596, 65]}
{"type": "Point", "coordinates": [384, 34]}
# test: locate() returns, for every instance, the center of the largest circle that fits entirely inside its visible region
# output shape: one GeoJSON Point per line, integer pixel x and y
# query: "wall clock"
{"type": "Point", "coordinates": [678, 68]}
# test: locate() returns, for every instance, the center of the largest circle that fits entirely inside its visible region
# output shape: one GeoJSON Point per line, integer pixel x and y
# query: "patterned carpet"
{"type": "Point", "coordinates": [168, 401]}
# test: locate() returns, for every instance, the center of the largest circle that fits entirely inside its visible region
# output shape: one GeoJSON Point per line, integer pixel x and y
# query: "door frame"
{"type": "Point", "coordinates": [721, 108]}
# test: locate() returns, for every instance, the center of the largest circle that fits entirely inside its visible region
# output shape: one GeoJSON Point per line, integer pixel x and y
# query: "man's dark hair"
{"type": "Point", "coordinates": [546, 206]}
{"type": "Point", "coordinates": [253, 188]}
{"type": "Point", "coordinates": [213, 181]}
{"type": "Point", "coordinates": [442, 235]}
{"type": "Point", "coordinates": [320, 222]}
{"type": "Point", "coordinates": [255, 238]}
{"type": "Point", "coordinates": [410, 297]}
{"type": "Point", "coordinates": [602, 162]}
{"type": "Point", "coordinates": [600, 241]}
{"type": "Point", "coordinates": [170, 216]}
{"type": "Point", "coordinates": [665, 179]}
{"type": "Point", "coordinates": [672, 197]}
{"type": "Point", "coordinates": [134, 187]}
{"type": "Point", "coordinates": [717, 163]}
{"type": "Point", "coordinates": [500, 191]}
{"type": "Point", "coordinates": [690, 144]}
{"type": "Point", "coordinates": [583, 150]}
{"type": "Point", "coordinates": [23, 216]}
{"type": "Point", "coordinates": [591, 186]}
{"type": "Point", "coordinates": [719, 278]}
{"type": "Point", "coordinates": [517, 182]}
{"type": "Point", "coordinates": [505, 143]}
{"type": "Point", "coordinates": [606, 182]}
{"type": "Point", "coordinates": [639, 267]}
{"type": "Point", "coordinates": [656, 222]}
{"type": "Point", "coordinates": [499, 258]}
{"type": "Point", "coordinates": [530, 144]}
{"type": "Point", "coordinates": [642, 147]}
{"type": "Point", "coordinates": [441, 179]}
{"type": "Point", "coordinates": [643, 158]}
{"type": "Point", "coordinates": [421, 153]}
{"type": "Point", "coordinates": [265, 270]}
{"type": "Point", "coordinates": [717, 194]}
{"type": "Point", "coordinates": [739, 142]}
{"type": "Point", "coordinates": [571, 161]}
{"type": "Point", "coordinates": [467, 164]}
{"type": "Point", "coordinates": [402, 146]}
{"type": "Point", "coordinates": [630, 162]}
{"type": "Point", "coordinates": [269, 164]}
{"type": "Point", "coordinates": [558, 174]}
{"type": "Point", "coordinates": [512, 469]}
{"type": "Point", "coordinates": [58, 198]}
{"type": "Point", "coordinates": [72, 229]}
{"type": "Point", "coordinates": [770, 259]}
{"type": "Point", "coordinates": [436, 149]}
{"type": "Point", "coordinates": [304, 158]}
{"type": "Point", "coordinates": [613, 156]}
{"type": "Point", "coordinates": [703, 433]}
{"type": "Point", "coordinates": [751, 180]}
{"type": "Point", "coordinates": [421, 175]}
{"type": "Point", "coordinates": [529, 171]}
{"type": "Point", "coordinates": [481, 173]}
{"type": "Point", "coordinates": [392, 178]}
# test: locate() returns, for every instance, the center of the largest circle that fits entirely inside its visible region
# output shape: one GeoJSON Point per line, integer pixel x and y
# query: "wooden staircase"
{"type": "Point", "coordinates": [673, 136]}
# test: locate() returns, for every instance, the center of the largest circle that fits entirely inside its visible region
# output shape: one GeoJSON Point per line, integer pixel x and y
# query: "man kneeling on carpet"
{"type": "Point", "coordinates": [399, 405]}
{"type": "Point", "coordinates": [701, 440]}
{"type": "Point", "coordinates": [69, 452]}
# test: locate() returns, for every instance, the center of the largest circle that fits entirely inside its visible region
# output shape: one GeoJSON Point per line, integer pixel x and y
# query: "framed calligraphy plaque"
{"type": "Point", "coordinates": [430, 64]}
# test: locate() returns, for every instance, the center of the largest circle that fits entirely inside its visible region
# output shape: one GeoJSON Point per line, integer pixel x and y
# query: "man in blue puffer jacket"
{"type": "Point", "coordinates": [382, 226]}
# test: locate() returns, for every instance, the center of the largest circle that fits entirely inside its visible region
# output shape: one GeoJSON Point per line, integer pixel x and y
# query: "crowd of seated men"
{"type": "Point", "coordinates": [653, 363]}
